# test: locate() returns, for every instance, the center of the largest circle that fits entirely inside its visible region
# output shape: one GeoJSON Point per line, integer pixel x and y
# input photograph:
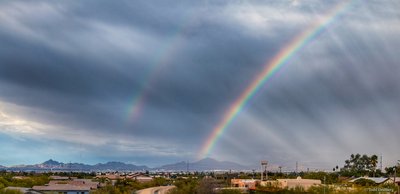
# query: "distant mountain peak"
{"type": "Point", "coordinates": [52, 162]}
{"type": "Point", "coordinates": [204, 165]}
{"type": "Point", "coordinates": [208, 159]}
{"type": "Point", "coordinates": [114, 162]}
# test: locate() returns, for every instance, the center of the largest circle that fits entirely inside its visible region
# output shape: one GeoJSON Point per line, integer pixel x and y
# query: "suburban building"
{"type": "Point", "coordinates": [377, 180]}
{"type": "Point", "coordinates": [249, 184]}
{"type": "Point", "coordinates": [63, 188]}
{"type": "Point", "coordinates": [61, 178]}
{"type": "Point", "coordinates": [298, 182]}
{"type": "Point", "coordinates": [111, 176]}
{"type": "Point", "coordinates": [143, 179]}
{"type": "Point", "coordinates": [75, 186]}
{"type": "Point", "coordinates": [23, 190]}
{"type": "Point", "coordinates": [135, 176]}
{"type": "Point", "coordinates": [270, 183]}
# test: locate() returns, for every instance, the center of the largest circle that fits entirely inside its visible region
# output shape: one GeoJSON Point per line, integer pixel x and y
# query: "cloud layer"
{"type": "Point", "coordinates": [72, 72]}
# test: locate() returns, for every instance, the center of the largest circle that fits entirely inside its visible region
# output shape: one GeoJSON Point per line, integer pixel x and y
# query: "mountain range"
{"type": "Point", "coordinates": [59, 166]}
{"type": "Point", "coordinates": [206, 164]}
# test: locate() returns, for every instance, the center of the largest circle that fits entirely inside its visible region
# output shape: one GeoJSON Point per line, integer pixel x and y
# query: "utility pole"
{"type": "Point", "coordinates": [395, 174]}
{"type": "Point", "coordinates": [297, 167]}
{"type": "Point", "coordinates": [187, 167]}
{"type": "Point", "coordinates": [394, 177]}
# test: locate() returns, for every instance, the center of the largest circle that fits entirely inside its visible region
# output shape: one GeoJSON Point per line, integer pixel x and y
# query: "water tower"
{"type": "Point", "coordinates": [264, 164]}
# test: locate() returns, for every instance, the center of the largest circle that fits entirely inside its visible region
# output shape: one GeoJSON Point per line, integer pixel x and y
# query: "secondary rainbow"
{"type": "Point", "coordinates": [164, 56]}
{"type": "Point", "coordinates": [270, 68]}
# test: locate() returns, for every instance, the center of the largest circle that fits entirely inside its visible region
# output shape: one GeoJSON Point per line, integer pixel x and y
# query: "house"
{"type": "Point", "coordinates": [20, 177]}
{"type": "Point", "coordinates": [270, 183]}
{"type": "Point", "coordinates": [59, 178]}
{"type": "Point", "coordinates": [63, 188]}
{"type": "Point", "coordinates": [88, 182]}
{"type": "Point", "coordinates": [249, 184]}
{"type": "Point", "coordinates": [111, 176]}
{"type": "Point", "coordinates": [143, 179]}
{"type": "Point", "coordinates": [75, 186]}
{"type": "Point", "coordinates": [298, 182]}
{"type": "Point", "coordinates": [23, 190]}
{"type": "Point", "coordinates": [376, 180]}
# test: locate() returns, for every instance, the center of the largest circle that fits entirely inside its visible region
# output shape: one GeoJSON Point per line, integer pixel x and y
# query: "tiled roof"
{"type": "Point", "coordinates": [377, 180]}
{"type": "Point", "coordinates": [63, 187]}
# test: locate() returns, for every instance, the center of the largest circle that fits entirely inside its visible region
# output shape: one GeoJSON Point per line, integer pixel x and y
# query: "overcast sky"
{"type": "Point", "coordinates": [145, 82]}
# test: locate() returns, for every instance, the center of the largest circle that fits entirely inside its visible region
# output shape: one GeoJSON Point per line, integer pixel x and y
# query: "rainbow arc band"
{"type": "Point", "coordinates": [270, 68]}
{"type": "Point", "coordinates": [161, 58]}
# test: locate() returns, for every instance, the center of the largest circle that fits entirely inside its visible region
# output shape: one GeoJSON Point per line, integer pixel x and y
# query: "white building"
{"type": "Point", "coordinates": [299, 182]}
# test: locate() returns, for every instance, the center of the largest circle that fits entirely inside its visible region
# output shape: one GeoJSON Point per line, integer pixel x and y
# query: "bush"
{"type": "Point", "coordinates": [10, 191]}
{"type": "Point", "coordinates": [229, 191]}
{"type": "Point", "coordinates": [184, 186]}
{"type": "Point", "coordinates": [321, 189]}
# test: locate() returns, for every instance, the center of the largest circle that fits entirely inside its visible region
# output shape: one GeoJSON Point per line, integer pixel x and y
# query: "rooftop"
{"type": "Point", "coordinates": [377, 180]}
{"type": "Point", "coordinates": [63, 187]}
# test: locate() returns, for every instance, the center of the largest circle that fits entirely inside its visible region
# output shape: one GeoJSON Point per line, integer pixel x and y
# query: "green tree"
{"type": "Point", "coordinates": [329, 178]}
{"type": "Point", "coordinates": [109, 189]}
{"type": "Point", "coordinates": [184, 186]}
{"type": "Point", "coordinates": [390, 170]}
{"type": "Point", "coordinates": [360, 165]}
{"type": "Point", "coordinates": [373, 163]}
{"type": "Point", "coordinates": [207, 186]}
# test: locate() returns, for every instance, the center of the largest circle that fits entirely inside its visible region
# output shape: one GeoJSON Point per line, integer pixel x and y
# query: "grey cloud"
{"type": "Point", "coordinates": [82, 64]}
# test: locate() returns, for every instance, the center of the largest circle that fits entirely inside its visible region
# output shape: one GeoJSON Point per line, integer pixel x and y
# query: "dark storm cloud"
{"type": "Point", "coordinates": [87, 90]}
{"type": "Point", "coordinates": [343, 93]}
{"type": "Point", "coordinates": [82, 64]}
{"type": "Point", "coordinates": [84, 79]}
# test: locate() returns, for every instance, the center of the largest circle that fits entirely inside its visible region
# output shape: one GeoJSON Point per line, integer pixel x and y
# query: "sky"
{"type": "Point", "coordinates": [147, 82]}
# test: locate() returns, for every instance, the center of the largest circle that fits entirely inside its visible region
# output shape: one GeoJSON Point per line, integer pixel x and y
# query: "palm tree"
{"type": "Point", "coordinates": [374, 162]}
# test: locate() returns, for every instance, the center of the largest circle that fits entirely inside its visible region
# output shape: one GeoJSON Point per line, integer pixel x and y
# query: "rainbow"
{"type": "Point", "coordinates": [161, 58]}
{"type": "Point", "coordinates": [164, 56]}
{"type": "Point", "coordinates": [270, 68]}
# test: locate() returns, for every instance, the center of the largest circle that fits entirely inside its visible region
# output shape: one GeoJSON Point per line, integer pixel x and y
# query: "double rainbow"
{"type": "Point", "coordinates": [270, 68]}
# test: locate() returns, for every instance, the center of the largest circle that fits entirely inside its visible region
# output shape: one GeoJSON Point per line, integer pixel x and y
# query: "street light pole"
{"type": "Point", "coordinates": [395, 174]}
